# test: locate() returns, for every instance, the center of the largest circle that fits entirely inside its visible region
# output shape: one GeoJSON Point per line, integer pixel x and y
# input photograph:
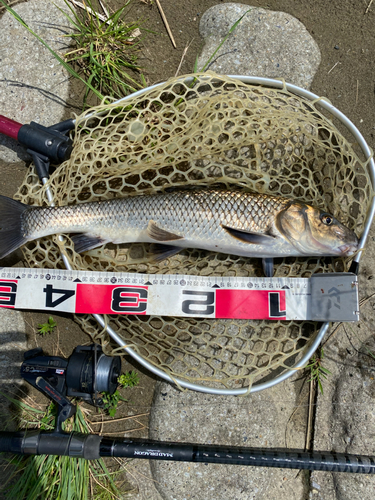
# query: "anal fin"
{"type": "Point", "coordinates": [157, 233]}
{"type": "Point", "coordinates": [84, 242]}
{"type": "Point", "coordinates": [160, 252]}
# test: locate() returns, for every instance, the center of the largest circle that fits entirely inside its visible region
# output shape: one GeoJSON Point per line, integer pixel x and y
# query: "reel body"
{"type": "Point", "coordinates": [85, 374]}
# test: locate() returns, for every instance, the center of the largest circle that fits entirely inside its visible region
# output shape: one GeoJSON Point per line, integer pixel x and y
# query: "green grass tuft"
{"type": "Point", "coordinates": [105, 52]}
{"type": "Point", "coordinates": [47, 327]}
{"type": "Point", "coordinates": [57, 57]}
{"type": "Point", "coordinates": [111, 401]}
{"type": "Point", "coordinates": [129, 379]}
{"type": "Point", "coordinates": [318, 372]}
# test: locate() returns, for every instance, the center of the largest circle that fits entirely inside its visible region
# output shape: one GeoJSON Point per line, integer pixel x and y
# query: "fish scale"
{"type": "Point", "coordinates": [234, 222]}
{"type": "Point", "coordinates": [181, 211]}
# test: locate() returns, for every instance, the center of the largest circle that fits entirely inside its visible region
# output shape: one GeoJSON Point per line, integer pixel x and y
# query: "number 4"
{"type": "Point", "coordinates": [49, 291]}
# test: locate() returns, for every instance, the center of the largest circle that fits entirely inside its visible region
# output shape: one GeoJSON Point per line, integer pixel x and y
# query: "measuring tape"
{"type": "Point", "coordinates": [323, 297]}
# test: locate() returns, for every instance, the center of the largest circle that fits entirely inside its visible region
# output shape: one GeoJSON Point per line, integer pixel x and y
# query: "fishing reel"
{"type": "Point", "coordinates": [89, 371]}
{"type": "Point", "coordinates": [85, 374]}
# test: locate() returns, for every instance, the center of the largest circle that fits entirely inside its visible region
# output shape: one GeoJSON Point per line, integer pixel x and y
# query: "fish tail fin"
{"type": "Point", "coordinates": [11, 234]}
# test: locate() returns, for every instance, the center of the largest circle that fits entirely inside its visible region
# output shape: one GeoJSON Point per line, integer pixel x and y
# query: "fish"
{"type": "Point", "coordinates": [227, 221]}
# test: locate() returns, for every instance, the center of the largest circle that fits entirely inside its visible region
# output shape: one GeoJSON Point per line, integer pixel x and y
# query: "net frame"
{"type": "Point", "coordinates": [327, 106]}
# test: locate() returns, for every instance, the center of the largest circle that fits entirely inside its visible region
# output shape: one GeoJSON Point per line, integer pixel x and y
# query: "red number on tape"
{"type": "Point", "coordinates": [8, 290]}
{"type": "Point", "coordinates": [110, 299]}
{"type": "Point", "coordinates": [250, 304]}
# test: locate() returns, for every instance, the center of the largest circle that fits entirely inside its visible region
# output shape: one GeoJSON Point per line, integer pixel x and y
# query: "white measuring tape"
{"type": "Point", "coordinates": [323, 297]}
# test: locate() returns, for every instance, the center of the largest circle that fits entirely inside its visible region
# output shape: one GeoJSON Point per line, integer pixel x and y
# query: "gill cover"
{"type": "Point", "coordinates": [304, 228]}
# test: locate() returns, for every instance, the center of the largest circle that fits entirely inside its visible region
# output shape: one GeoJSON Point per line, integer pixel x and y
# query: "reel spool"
{"type": "Point", "coordinates": [90, 371]}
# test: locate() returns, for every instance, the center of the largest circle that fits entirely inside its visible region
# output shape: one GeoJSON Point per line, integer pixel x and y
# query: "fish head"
{"type": "Point", "coordinates": [315, 232]}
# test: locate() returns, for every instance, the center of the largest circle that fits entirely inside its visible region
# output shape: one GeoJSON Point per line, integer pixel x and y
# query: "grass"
{"type": "Point", "coordinates": [59, 59]}
{"type": "Point", "coordinates": [62, 478]}
{"type": "Point", "coordinates": [111, 401]}
{"type": "Point", "coordinates": [104, 51]}
{"type": "Point", "coordinates": [128, 379]}
{"type": "Point", "coordinates": [52, 477]}
{"type": "Point", "coordinates": [47, 327]}
{"type": "Point", "coordinates": [317, 370]}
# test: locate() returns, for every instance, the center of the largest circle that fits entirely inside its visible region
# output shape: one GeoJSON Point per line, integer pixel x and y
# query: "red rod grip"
{"type": "Point", "coordinates": [9, 127]}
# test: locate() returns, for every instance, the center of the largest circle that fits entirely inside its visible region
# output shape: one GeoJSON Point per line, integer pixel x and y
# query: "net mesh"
{"type": "Point", "coordinates": [205, 130]}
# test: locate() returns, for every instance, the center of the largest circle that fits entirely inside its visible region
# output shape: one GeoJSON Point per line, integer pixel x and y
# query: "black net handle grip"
{"type": "Point", "coordinates": [74, 444]}
{"type": "Point", "coordinates": [91, 446]}
{"type": "Point", "coordinates": [9, 442]}
{"type": "Point", "coordinates": [259, 457]}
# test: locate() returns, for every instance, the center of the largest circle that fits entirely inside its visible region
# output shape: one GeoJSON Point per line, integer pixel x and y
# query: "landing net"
{"type": "Point", "coordinates": [206, 130]}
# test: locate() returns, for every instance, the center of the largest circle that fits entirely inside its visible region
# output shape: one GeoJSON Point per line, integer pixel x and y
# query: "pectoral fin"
{"type": "Point", "coordinates": [157, 233]}
{"type": "Point", "coordinates": [84, 242]}
{"type": "Point", "coordinates": [248, 237]}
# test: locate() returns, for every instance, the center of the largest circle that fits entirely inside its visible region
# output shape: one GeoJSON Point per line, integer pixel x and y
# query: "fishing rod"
{"type": "Point", "coordinates": [87, 373]}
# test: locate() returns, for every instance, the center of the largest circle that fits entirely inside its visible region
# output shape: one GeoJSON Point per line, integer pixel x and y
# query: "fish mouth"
{"type": "Point", "coordinates": [344, 250]}
{"type": "Point", "coordinates": [348, 249]}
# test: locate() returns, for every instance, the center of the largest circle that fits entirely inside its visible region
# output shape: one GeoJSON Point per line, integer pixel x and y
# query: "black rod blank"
{"type": "Point", "coordinates": [91, 446]}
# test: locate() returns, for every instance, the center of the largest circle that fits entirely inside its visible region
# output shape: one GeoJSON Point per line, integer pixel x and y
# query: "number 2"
{"type": "Point", "coordinates": [208, 301]}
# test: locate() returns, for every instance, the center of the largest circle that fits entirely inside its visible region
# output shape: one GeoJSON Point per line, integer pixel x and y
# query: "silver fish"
{"type": "Point", "coordinates": [233, 222]}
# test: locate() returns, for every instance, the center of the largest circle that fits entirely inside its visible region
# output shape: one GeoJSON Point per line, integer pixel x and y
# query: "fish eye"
{"type": "Point", "coordinates": [327, 219]}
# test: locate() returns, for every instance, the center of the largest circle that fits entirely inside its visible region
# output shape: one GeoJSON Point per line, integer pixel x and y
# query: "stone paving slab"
{"type": "Point", "coordinates": [265, 43]}
{"type": "Point", "coordinates": [258, 420]}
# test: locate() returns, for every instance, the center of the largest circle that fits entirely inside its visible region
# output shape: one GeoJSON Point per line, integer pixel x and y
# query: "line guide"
{"type": "Point", "coordinates": [323, 297]}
